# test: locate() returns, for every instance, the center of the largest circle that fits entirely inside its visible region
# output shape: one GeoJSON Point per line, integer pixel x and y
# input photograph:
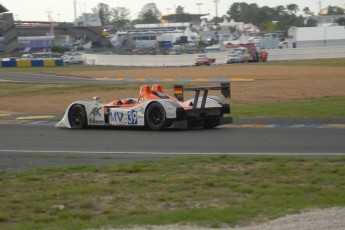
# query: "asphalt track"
{"type": "Point", "coordinates": [40, 144]}
{"type": "Point", "coordinates": [33, 141]}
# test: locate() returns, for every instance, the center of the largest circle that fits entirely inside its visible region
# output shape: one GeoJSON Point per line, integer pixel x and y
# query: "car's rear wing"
{"type": "Point", "coordinates": [179, 92]}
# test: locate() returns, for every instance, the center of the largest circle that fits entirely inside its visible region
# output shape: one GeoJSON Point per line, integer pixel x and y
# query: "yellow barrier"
{"type": "Point", "coordinates": [48, 62]}
{"type": "Point", "coordinates": [23, 63]}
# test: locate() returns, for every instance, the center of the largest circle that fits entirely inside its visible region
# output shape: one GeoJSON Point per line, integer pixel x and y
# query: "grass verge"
{"type": "Point", "coordinates": [327, 107]}
{"type": "Point", "coordinates": [207, 191]}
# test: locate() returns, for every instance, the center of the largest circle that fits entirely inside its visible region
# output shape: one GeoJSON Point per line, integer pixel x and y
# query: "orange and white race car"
{"type": "Point", "coordinates": [153, 109]}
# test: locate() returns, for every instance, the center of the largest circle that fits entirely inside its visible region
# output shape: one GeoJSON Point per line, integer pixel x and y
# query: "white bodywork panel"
{"type": "Point", "coordinates": [94, 112]}
{"type": "Point", "coordinates": [121, 116]}
{"type": "Point", "coordinates": [210, 102]}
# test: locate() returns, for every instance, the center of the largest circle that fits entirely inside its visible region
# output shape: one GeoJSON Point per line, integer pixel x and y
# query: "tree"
{"type": "Point", "coordinates": [280, 9]}
{"type": "Point", "coordinates": [288, 20]}
{"type": "Point", "coordinates": [149, 14]}
{"type": "Point", "coordinates": [307, 11]}
{"type": "Point", "coordinates": [292, 7]}
{"type": "Point", "coordinates": [334, 10]}
{"type": "Point", "coordinates": [270, 26]}
{"type": "Point", "coordinates": [235, 10]}
{"type": "Point", "coordinates": [276, 18]}
{"type": "Point", "coordinates": [103, 11]}
{"type": "Point", "coordinates": [216, 20]}
{"type": "Point", "coordinates": [311, 22]}
{"type": "Point", "coordinates": [119, 17]}
{"type": "Point", "coordinates": [340, 21]}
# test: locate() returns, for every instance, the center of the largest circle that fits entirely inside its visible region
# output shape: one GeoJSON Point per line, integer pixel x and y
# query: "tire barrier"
{"type": "Point", "coordinates": [36, 63]}
{"type": "Point", "coordinates": [9, 63]}
{"type": "Point", "coordinates": [31, 63]}
{"type": "Point", "coordinates": [59, 62]}
{"type": "Point", "coordinates": [48, 62]}
{"type": "Point", "coordinates": [23, 63]}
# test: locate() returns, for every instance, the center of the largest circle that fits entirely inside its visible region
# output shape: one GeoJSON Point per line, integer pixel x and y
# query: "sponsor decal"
{"type": "Point", "coordinates": [123, 118]}
{"type": "Point", "coordinates": [96, 116]}
{"type": "Point", "coordinates": [117, 118]}
{"type": "Point", "coordinates": [132, 117]}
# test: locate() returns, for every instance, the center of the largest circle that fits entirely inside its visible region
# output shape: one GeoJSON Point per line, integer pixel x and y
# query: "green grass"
{"type": "Point", "coordinates": [206, 191]}
{"type": "Point", "coordinates": [336, 62]}
{"type": "Point", "coordinates": [327, 107]}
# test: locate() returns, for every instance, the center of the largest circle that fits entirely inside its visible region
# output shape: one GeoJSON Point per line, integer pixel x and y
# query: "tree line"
{"type": "Point", "coordinates": [266, 18]}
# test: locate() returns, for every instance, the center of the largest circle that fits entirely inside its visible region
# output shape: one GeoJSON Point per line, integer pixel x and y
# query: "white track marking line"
{"type": "Point", "coordinates": [172, 153]}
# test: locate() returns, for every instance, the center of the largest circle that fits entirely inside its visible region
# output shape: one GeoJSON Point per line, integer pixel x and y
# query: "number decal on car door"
{"type": "Point", "coordinates": [132, 117]}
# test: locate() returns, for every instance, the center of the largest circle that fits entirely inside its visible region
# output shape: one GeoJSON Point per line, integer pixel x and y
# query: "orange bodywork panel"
{"type": "Point", "coordinates": [145, 94]}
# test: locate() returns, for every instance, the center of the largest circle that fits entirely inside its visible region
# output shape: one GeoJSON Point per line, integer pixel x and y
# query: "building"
{"type": "Point", "coordinates": [307, 37]}
{"type": "Point", "coordinates": [324, 17]}
{"type": "Point", "coordinates": [8, 31]}
{"type": "Point", "coordinates": [148, 35]}
{"type": "Point", "coordinates": [194, 19]}
{"type": "Point", "coordinates": [35, 35]}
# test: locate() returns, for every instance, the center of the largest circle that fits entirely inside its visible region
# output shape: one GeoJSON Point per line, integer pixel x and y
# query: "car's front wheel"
{"type": "Point", "coordinates": [77, 117]}
{"type": "Point", "coordinates": [155, 117]}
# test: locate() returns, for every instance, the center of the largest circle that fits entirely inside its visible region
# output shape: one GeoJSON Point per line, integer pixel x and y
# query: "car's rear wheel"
{"type": "Point", "coordinates": [77, 117]}
{"type": "Point", "coordinates": [155, 117]}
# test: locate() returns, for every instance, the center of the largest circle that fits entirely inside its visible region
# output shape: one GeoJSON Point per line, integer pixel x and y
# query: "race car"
{"type": "Point", "coordinates": [153, 109]}
{"type": "Point", "coordinates": [204, 60]}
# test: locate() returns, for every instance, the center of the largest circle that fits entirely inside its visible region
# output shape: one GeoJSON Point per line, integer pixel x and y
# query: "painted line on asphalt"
{"type": "Point", "coordinates": [34, 117]}
{"type": "Point", "coordinates": [342, 126]}
{"type": "Point", "coordinates": [9, 122]}
{"type": "Point", "coordinates": [170, 153]}
{"type": "Point", "coordinates": [52, 75]}
{"type": "Point", "coordinates": [128, 79]}
{"type": "Point", "coordinates": [5, 115]}
{"type": "Point", "coordinates": [39, 122]}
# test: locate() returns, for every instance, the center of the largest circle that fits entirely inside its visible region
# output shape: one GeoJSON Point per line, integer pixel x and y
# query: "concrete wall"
{"type": "Point", "coordinates": [189, 59]}
{"type": "Point", "coordinates": [148, 60]}
{"type": "Point", "coordinates": [306, 53]}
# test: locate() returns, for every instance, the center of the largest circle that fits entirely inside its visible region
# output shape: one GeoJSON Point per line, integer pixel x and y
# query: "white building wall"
{"type": "Point", "coordinates": [306, 37]}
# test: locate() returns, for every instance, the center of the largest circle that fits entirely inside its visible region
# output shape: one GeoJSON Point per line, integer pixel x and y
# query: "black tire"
{"type": "Point", "coordinates": [155, 117]}
{"type": "Point", "coordinates": [77, 117]}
